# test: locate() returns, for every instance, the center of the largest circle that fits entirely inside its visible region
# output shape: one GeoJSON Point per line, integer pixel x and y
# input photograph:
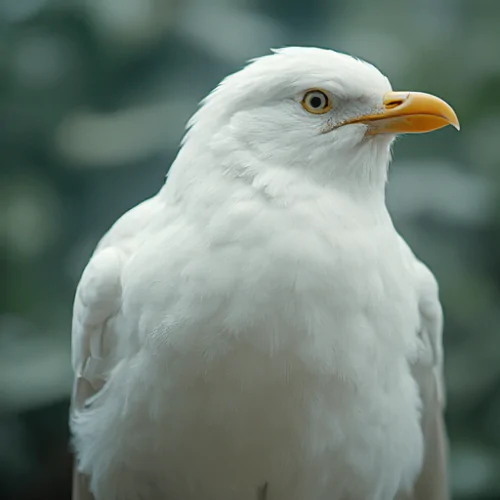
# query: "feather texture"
{"type": "Point", "coordinates": [259, 328]}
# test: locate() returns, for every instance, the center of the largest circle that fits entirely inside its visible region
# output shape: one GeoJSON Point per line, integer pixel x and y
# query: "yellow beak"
{"type": "Point", "coordinates": [409, 113]}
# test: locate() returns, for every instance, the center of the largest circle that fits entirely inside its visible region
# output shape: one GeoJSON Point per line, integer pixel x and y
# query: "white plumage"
{"type": "Point", "coordinates": [258, 329]}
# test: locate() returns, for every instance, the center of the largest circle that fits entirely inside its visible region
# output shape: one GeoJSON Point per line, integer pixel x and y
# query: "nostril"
{"type": "Point", "coordinates": [394, 103]}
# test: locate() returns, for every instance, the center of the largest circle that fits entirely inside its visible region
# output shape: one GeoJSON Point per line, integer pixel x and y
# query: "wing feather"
{"type": "Point", "coordinates": [97, 303]}
{"type": "Point", "coordinates": [432, 484]}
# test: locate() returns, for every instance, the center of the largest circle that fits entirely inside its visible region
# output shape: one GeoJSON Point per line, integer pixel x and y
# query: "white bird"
{"type": "Point", "coordinates": [259, 329]}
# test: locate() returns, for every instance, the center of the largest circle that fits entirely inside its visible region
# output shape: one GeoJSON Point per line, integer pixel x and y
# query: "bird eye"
{"type": "Point", "coordinates": [316, 102]}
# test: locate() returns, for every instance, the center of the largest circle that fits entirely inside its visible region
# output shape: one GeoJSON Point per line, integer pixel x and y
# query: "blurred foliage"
{"type": "Point", "coordinates": [94, 95]}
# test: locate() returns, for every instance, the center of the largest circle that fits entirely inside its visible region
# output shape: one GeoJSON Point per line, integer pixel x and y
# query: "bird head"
{"type": "Point", "coordinates": [314, 112]}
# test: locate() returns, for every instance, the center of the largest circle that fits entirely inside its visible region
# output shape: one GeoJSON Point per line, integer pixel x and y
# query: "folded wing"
{"type": "Point", "coordinates": [432, 484]}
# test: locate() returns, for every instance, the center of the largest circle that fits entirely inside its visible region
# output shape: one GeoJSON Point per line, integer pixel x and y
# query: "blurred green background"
{"type": "Point", "coordinates": [94, 95]}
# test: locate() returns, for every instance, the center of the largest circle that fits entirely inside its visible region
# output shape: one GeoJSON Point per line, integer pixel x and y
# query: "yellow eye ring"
{"type": "Point", "coordinates": [316, 101]}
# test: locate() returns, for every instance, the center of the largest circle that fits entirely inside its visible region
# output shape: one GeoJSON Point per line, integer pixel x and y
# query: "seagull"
{"type": "Point", "coordinates": [258, 329]}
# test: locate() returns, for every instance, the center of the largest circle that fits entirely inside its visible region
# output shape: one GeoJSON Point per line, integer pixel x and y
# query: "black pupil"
{"type": "Point", "coordinates": [316, 102]}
